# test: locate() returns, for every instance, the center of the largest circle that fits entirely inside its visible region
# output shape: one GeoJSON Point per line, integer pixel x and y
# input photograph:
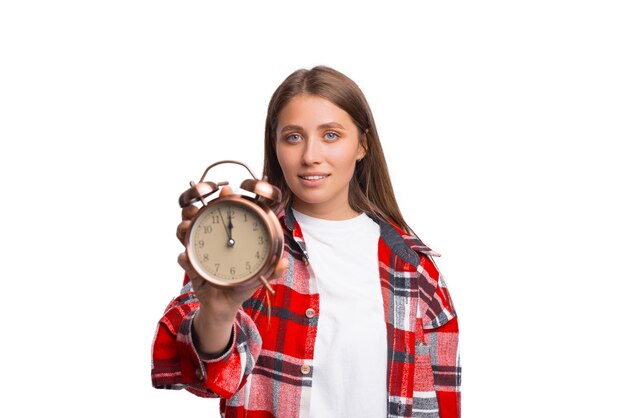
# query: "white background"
{"type": "Point", "coordinates": [503, 126]}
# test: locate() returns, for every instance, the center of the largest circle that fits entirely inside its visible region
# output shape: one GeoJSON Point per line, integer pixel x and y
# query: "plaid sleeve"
{"type": "Point", "coordinates": [442, 336]}
{"type": "Point", "coordinates": [177, 365]}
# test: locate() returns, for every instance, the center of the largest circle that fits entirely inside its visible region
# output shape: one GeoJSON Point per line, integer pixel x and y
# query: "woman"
{"type": "Point", "coordinates": [361, 324]}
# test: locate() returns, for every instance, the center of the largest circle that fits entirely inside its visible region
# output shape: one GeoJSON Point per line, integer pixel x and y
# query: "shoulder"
{"type": "Point", "coordinates": [408, 247]}
{"type": "Point", "coordinates": [411, 259]}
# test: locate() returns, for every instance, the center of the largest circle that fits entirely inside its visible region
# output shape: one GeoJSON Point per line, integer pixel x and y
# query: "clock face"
{"type": "Point", "coordinates": [229, 242]}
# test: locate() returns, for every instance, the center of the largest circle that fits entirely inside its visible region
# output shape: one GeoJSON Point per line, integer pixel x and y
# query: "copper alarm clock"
{"type": "Point", "coordinates": [234, 240]}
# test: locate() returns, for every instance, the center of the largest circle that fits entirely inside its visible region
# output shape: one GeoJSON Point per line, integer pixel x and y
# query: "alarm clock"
{"type": "Point", "coordinates": [233, 240]}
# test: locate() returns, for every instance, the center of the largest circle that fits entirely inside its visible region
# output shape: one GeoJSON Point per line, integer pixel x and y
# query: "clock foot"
{"type": "Point", "coordinates": [266, 284]}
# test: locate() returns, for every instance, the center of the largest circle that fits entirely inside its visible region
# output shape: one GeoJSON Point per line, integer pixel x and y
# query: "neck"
{"type": "Point", "coordinates": [326, 212]}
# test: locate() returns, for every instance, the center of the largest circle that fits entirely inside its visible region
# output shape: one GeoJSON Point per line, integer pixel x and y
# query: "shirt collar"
{"type": "Point", "coordinates": [405, 246]}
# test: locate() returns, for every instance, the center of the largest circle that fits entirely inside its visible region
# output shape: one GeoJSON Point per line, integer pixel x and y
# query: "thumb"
{"type": "Point", "coordinates": [280, 269]}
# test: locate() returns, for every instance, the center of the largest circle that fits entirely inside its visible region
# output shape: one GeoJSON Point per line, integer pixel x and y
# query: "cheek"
{"type": "Point", "coordinates": [280, 154]}
{"type": "Point", "coordinates": [344, 159]}
{"type": "Point", "coordinates": [285, 159]}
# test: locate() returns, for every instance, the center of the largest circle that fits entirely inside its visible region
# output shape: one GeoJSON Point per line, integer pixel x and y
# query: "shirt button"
{"type": "Point", "coordinates": [305, 369]}
{"type": "Point", "coordinates": [310, 313]}
{"type": "Point", "coordinates": [199, 374]}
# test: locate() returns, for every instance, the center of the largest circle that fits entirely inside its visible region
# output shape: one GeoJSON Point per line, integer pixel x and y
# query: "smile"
{"type": "Point", "coordinates": [312, 177]}
{"type": "Point", "coordinates": [313, 180]}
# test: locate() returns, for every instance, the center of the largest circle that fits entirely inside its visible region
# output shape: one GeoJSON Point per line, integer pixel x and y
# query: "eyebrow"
{"type": "Point", "coordinates": [329, 125]}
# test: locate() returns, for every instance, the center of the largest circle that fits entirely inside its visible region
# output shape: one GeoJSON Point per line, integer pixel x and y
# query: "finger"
{"type": "Point", "coordinates": [189, 212]}
{"type": "Point", "coordinates": [283, 264]}
{"type": "Point", "coordinates": [197, 283]}
{"type": "Point", "coordinates": [181, 231]}
{"type": "Point", "coordinates": [183, 261]}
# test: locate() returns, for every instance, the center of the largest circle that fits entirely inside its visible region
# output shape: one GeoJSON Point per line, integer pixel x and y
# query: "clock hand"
{"type": "Point", "coordinates": [231, 241]}
{"type": "Point", "coordinates": [230, 225]}
{"type": "Point", "coordinates": [224, 223]}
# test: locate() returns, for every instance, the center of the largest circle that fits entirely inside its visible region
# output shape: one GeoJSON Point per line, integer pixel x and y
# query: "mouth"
{"type": "Point", "coordinates": [312, 180]}
{"type": "Point", "coordinates": [316, 177]}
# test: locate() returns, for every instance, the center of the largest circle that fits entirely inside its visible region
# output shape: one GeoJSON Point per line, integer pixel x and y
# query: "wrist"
{"type": "Point", "coordinates": [212, 334]}
{"type": "Point", "coordinates": [209, 317]}
{"type": "Point", "coordinates": [206, 355]}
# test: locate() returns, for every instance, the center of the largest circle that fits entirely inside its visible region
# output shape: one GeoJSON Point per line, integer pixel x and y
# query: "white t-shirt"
{"type": "Point", "coordinates": [350, 355]}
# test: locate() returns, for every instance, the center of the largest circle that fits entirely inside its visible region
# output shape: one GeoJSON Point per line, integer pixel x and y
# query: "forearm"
{"type": "Point", "coordinates": [177, 362]}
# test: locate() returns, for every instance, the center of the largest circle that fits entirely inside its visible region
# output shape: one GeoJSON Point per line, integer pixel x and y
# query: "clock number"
{"type": "Point", "coordinates": [257, 255]}
{"type": "Point", "coordinates": [207, 229]}
{"type": "Point", "coordinates": [261, 239]}
{"type": "Point", "coordinates": [205, 258]}
{"type": "Point", "coordinates": [248, 266]}
{"type": "Point", "coordinates": [201, 244]}
{"type": "Point", "coordinates": [233, 271]}
{"type": "Point", "coordinates": [217, 267]}
{"type": "Point", "coordinates": [216, 219]}
{"type": "Point", "coordinates": [255, 226]}
{"type": "Point", "coordinates": [230, 212]}
{"type": "Point", "coordinates": [245, 217]}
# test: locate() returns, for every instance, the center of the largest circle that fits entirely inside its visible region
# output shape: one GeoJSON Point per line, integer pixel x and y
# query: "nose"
{"type": "Point", "coordinates": [312, 152]}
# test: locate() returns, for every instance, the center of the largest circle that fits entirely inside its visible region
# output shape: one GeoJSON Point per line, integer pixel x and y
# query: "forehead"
{"type": "Point", "coordinates": [309, 110]}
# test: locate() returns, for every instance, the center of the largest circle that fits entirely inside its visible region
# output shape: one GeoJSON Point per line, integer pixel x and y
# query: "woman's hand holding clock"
{"type": "Point", "coordinates": [218, 306]}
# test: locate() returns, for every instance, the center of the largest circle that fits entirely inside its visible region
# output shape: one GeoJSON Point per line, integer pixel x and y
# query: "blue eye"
{"type": "Point", "coordinates": [331, 135]}
{"type": "Point", "coordinates": [292, 138]}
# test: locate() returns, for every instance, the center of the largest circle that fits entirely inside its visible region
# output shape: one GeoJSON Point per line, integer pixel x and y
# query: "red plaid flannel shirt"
{"type": "Point", "coordinates": [268, 370]}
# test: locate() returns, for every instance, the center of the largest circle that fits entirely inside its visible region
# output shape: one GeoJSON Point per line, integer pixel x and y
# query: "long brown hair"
{"type": "Point", "coordinates": [370, 188]}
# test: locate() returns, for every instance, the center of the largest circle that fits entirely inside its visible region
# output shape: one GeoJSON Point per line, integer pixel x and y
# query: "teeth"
{"type": "Point", "coordinates": [313, 177]}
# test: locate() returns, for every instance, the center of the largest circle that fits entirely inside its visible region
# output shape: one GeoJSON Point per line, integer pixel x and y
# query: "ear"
{"type": "Point", "coordinates": [362, 145]}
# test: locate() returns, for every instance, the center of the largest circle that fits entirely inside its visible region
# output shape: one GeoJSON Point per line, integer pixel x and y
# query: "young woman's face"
{"type": "Point", "coordinates": [317, 148]}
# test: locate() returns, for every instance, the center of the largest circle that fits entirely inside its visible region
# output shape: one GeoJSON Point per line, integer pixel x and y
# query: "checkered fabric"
{"type": "Point", "coordinates": [268, 370]}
